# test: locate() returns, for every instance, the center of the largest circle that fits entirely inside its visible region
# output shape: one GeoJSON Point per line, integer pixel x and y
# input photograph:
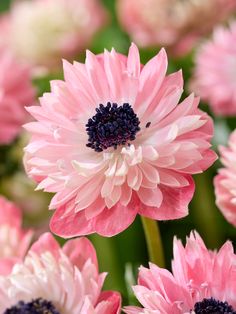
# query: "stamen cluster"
{"type": "Point", "coordinates": [111, 126]}
{"type": "Point", "coordinates": [36, 306]}
{"type": "Point", "coordinates": [212, 306]}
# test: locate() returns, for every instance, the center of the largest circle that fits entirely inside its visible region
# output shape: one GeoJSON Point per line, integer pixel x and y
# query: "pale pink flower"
{"type": "Point", "coordinates": [202, 282]}
{"type": "Point", "coordinates": [41, 32]}
{"type": "Point", "coordinates": [214, 77]}
{"type": "Point", "coordinates": [112, 142]}
{"type": "Point", "coordinates": [175, 24]}
{"type": "Point", "coordinates": [14, 241]}
{"type": "Point", "coordinates": [16, 91]}
{"type": "Point", "coordinates": [225, 181]}
{"type": "Point", "coordinates": [58, 281]}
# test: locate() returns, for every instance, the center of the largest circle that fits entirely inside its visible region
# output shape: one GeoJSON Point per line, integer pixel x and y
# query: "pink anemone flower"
{"type": "Point", "coordinates": [14, 241]}
{"type": "Point", "coordinates": [203, 282]}
{"type": "Point", "coordinates": [16, 92]}
{"type": "Point", "coordinates": [214, 76]}
{"type": "Point", "coordinates": [57, 281]}
{"type": "Point", "coordinates": [112, 142]}
{"type": "Point", "coordinates": [225, 181]}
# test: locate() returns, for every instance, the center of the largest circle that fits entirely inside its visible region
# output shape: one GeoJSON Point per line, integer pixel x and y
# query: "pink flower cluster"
{"type": "Point", "coordinates": [202, 282]}
{"type": "Point", "coordinates": [112, 142]}
{"type": "Point", "coordinates": [16, 92]}
{"type": "Point", "coordinates": [225, 188]}
{"type": "Point", "coordinates": [215, 75]}
{"type": "Point", "coordinates": [175, 24]}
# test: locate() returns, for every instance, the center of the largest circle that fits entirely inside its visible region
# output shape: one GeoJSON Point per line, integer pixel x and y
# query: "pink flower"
{"type": "Point", "coordinates": [58, 281]}
{"type": "Point", "coordinates": [225, 181]}
{"type": "Point", "coordinates": [16, 91]}
{"type": "Point", "coordinates": [112, 142]}
{"type": "Point", "coordinates": [14, 241]}
{"type": "Point", "coordinates": [215, 76]}
{"type": "Point", "coordinates": [202, 282]}
{"type": "Point", "coordinates": [172, 23]}
{"type": "Point", "coordinates": [41, 32]}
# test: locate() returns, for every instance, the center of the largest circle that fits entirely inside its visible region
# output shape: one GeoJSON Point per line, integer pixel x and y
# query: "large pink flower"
{"type": "Point", "coordinates": [215, 75]}
{"type": "Point", "coordinates": [202, 282]}
{"type": "Point", "coordinates": [113, 142]}
{"type": "Point", "coordinates": [14, 241]}
{"type": "Point", "coordinates": [41, 32]}
{"type": "Point", "coordinates": [171, 23]}
{"type": "Point", "coordinates": [16, 91]}
{"type": "Point", "coordinates": [57, 281]}
{"type": "Point", "coordinates": [225, 181]}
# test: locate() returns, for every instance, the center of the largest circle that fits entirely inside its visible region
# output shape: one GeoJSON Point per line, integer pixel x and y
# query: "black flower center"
{"type": "Point", "coordinates": [112, 126]}
{"type": "Point", "coordinates": [36, 306]}
{"type": "Point", "coordinates": [212, 306]}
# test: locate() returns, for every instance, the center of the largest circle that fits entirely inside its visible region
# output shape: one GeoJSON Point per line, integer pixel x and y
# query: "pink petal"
{"type": "Point", "coordinates": [46, 243]}
{"type": "Point", "coordinates": [116, 219]}
{"type": "Point", "coordinates": [174, 205]}
{"type": "Point", "coordinates": [79, 251]}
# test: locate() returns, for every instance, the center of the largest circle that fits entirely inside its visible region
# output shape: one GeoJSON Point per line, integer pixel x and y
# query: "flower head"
{"type": "Point", "coordinates": [225, 181]}
{"type": "Point", "coordinates": [172, 23]}
{"type": "Point", "coordinates": [202, 282]}
{"type": "Point", "coordinates": [73, 284]}
{"type": "Point", "coordinates": [14, 241]}
{"type": "Point", "coordinates": [41, 32]}
{"type": "Point", "coordinates": [15, 93]}
{"type": "Point", "coordinates": [112, 142]}
{"type": "Point", "coordinates": [215, 71]}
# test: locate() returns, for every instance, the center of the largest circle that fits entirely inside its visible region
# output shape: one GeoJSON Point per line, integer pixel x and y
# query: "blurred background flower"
{"type": "Point", "coordinates": [40, 32]}
{"type": "Point", "coordinates": [225, 181]}
{"type": "Point", "coordinates": [174, 24]}
{"type": "Point", "coordinates": [16, 91]}
{"type": "Point", "coordinates": [14, 240]}
{"type": "Point", "coordinates": [214, 77]}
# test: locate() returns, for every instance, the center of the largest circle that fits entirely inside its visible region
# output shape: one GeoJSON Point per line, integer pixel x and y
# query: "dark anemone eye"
{"type": "Point", "coordinates": [111, 126]}
{"type": "Point", "coordinates": [36, 306]}
{"type": "Point", "coordinates": [212, 306]}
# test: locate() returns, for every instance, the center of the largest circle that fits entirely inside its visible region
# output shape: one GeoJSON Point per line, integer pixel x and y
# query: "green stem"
{"type": "Point", "coordinates": [153, 239]}
{"type": "Point", "coordinates": [205, 211]}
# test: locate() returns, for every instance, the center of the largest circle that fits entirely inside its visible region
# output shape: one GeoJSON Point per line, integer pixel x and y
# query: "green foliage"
{"type": "Point", "coordinates": [4, 5]}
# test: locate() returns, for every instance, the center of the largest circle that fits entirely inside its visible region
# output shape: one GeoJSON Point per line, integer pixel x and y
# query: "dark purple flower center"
{"type": "Point", "coordinates": [36, 306]}
{"type": "Point", "coordinates": [212, 306]}
{"type": "Point", "coordinates": [111, 126]}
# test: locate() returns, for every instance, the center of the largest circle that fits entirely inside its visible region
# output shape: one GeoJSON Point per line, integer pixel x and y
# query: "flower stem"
{"type": "Point", "coordinates": [205, 212]}
{"type": "Point", "coordinates": [154, 243]}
